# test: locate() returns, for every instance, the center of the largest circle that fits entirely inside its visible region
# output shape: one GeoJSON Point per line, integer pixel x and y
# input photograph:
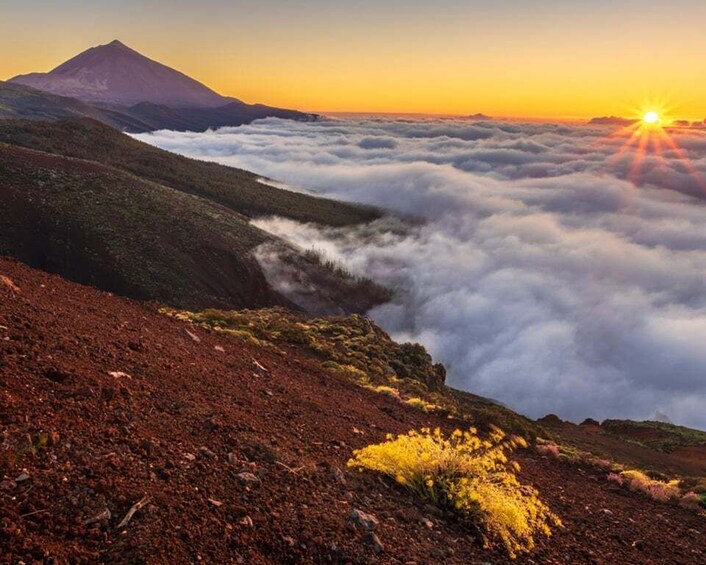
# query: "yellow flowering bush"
{"type": "Point", "coordinates": [386, 390]}
{"type": "Point", "coordinates": [421, 404]}
{"type": "Point", "coordinates": [469, 474]}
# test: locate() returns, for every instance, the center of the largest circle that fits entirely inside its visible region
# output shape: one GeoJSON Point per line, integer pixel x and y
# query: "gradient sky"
{"type": "Point", "coordinates": [530, 58]}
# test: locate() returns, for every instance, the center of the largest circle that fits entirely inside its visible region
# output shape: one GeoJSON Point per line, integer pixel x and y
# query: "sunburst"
{"type": "Point", "coordinates": [648, 134]}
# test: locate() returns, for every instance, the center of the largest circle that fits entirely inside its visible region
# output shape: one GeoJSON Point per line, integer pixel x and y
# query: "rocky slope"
{"type": "Point", "coordinates": [237, 452]}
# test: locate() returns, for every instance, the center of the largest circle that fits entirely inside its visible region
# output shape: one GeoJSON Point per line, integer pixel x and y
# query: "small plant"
{"type": "Point", "coordinates": [387, 391]}
{"type": "Point", "coordinates": [691, 500]}
{"type": "Point", "coordinates": [421, 404]}
{"type": "Point", "coordinates": [638, 481]}
{"type": "Point", "coordinates": [548, 449]}
{"type": "Point", "coordinates": [469, 475]}
{"type": "Point", "coordinates": [602, 463]}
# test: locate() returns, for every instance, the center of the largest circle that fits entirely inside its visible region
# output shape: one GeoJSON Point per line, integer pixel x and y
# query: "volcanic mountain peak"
{"type": "Point", "coordinates": [116, 74]}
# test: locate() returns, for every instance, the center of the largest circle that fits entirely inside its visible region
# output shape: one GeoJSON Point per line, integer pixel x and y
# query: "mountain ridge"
{"type": "Point", "coordinates": [117, 74]}
{"type": "Point", "coordinates": [130, 92]}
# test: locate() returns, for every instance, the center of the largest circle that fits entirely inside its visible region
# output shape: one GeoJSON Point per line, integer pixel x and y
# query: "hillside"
{"type": "Point", "coordinates": [237, 189]}
{"type": "Point", "coordinates": [122, 88]}
{"type": "Point", "coordinates": [238, 452]}
{"type": "Point", "coordinates": [18, 102]}
{"type": "Point", "coordinates": [104, 226]}
{"type": "Point", "coordinates": [147, 116]}
{"type": "Point", "coordinates": [655, 446]}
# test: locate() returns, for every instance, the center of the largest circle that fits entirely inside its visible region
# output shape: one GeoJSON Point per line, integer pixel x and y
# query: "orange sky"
{"type": "Point", "coordinates": [532, 58]}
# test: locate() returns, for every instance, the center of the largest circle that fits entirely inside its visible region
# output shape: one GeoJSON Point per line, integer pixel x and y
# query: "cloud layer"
{"type": "Point", "coordinates": [555, 272]}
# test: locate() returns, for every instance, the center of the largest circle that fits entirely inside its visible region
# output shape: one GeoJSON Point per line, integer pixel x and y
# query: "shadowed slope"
{"type": "Point", "coordinates": [19, 102]}
{"type": "Point", "coordinates": [235, 188]}
{"type": "Point", "coordinates": [148, 224]}
{"type": "Point", "coordinates": [101, 226]}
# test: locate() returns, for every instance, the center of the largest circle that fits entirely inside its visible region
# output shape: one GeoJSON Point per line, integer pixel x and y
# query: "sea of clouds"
{"type": "Point", "coordinates": [555, 270]}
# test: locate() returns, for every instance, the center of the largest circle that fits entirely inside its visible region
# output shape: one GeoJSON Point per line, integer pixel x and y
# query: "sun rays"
{"type": "Point", "coordinates": [647, 144]}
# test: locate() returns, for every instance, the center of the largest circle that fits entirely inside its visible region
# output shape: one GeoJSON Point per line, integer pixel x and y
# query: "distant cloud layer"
{"type": "Point", "coordinates": [554, 271]}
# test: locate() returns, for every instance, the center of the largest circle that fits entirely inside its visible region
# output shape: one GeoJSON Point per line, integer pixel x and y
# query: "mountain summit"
{"type": "Point", "coordinates": [124, 89]}
{"type": "Point", "coordinates": [116, 74]}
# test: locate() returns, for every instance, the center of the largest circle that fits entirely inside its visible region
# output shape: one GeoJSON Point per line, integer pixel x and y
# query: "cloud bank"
{"type": "Point", "coordinates": [555, 271]}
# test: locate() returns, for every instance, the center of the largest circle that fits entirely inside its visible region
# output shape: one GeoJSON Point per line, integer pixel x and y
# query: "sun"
{"type": "Point", "coordinates": [651, 118]}
{"type": "Point", "coordinates": [649, 135]}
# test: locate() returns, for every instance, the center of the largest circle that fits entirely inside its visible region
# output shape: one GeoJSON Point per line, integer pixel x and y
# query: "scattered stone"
{"type": "Point", "coordinates": [428, 523]}
{"type": "Point", "coordinates": [148, 446]}
{"type": "Point", "coordinates": [189, 456]}
{"type": "Point", "coordinates": [193, 336]}
{"type": "Point", "coordinates": [216, 503]}
{"type": "Point", "coordinates": [247, 478]}
{"type": "Point", "coordinates": [214, 423]}
{"type": "Point", "coordinates": [289, 541]}
{"type": "Point", "coordinates": [56, 375]}
{"type": "Point", "coordinates": [231, 458]}
{"type": "Point", "coordinates": [338, 476]}
{"type": "Point", "coordinates": [22, 477]}
{"type": "Point", "coordinates": [258, 367]}
{"type": "Point", "coordinates": [374, 542]}
{"type": "Point", "coordinates": [119, 375]}
{"type": "Point", "coordinates": [9, 283]}
{"type": "Point", "coordinates": [206, 452]}
{"type": "Point", "coordinates": [362, 520]}
{"type": "Point", "coordinates": [439, 553]}
{"type": "Point", "coordinates": [246, 521]}
{"type": "Point", "coordinates": [219, 348]}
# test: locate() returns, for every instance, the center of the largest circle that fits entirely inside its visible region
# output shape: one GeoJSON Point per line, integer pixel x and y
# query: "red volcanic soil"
{"type": "Point", "coordinates": [183, 415]}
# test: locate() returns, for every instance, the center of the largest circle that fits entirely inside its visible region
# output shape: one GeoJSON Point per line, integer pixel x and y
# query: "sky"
{"type": "Point", "coordinates": [559, 268]}
{"type": "Point", "coordinates": [511, 58]}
